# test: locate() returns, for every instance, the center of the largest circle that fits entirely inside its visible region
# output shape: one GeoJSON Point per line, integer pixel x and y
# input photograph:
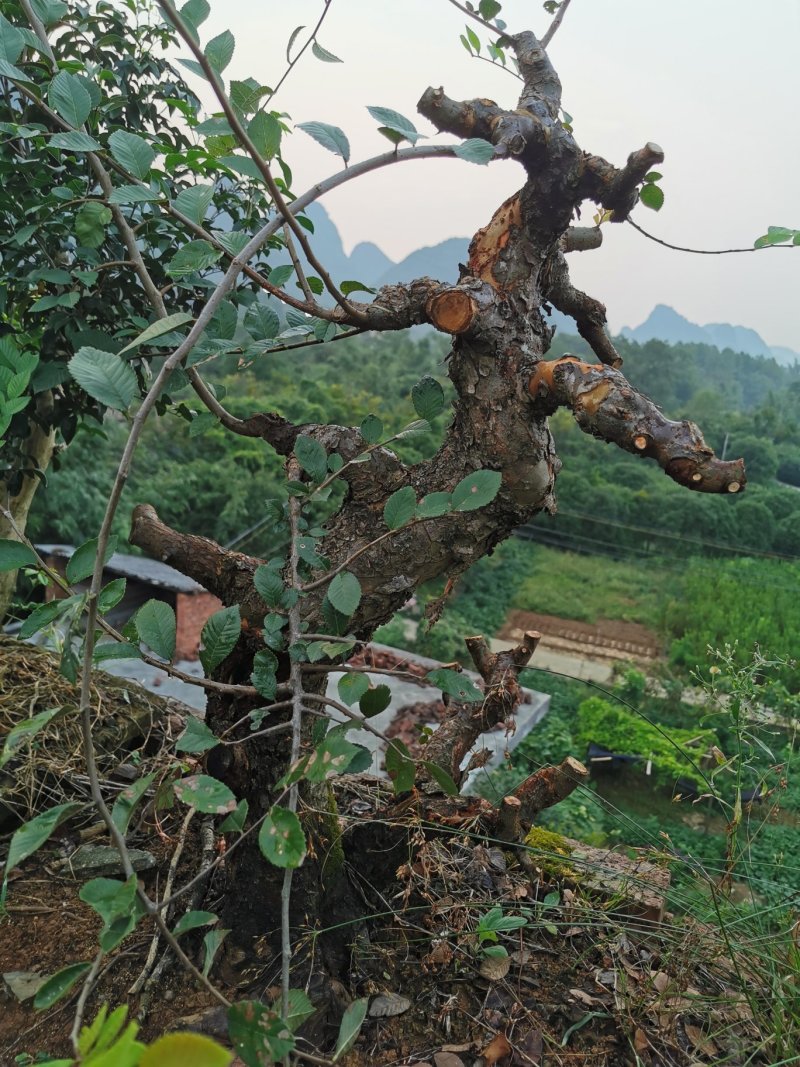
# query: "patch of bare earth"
{"type": "Point", "coordinates": [606, 638]}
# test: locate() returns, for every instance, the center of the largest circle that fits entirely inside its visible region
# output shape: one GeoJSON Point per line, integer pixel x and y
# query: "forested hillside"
{"type": "Point", "coordinates": [608, 500]}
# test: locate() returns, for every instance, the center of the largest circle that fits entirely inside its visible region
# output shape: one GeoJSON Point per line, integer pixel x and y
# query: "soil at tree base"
{"type": "Point", "coordinates": [427, 953]}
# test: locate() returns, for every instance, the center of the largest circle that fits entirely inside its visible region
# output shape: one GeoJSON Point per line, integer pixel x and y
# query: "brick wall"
{"type": "Point", "coordinates": [192, 610]}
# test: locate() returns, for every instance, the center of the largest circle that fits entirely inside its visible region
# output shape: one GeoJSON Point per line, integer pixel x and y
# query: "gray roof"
{"type": "Point", "coordinates": [138, 568]}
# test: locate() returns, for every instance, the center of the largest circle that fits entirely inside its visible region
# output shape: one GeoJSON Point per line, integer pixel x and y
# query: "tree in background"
{"type": "Point", "coordinates": [160, 218]}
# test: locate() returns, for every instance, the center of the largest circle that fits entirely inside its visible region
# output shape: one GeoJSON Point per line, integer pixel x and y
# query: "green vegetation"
{"type": "Point", "coordinates": [675, 753]}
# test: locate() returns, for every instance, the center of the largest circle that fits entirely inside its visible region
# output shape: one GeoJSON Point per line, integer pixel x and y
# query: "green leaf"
{"type": "Point", "coordinates": [23, 732]}
{"type": "Point", "coordinates": [33, 834]}
{"type": "Point", "coordinates": [125, 804]}
{"type": "Point", "coordinates": [258, 1034]}
{"type": "Point", "coordinates": [269, 585]}
{"type": "Point", "coordinates": [653, 176]}
{"type": "Point", "coordinates": [281, 838]}
{"type": "Point", "coordinates": [47, 303]}
{"type": "Point", "coordinates": [191, 920]}
{"type": "Point", "coordinates": [69, 97]}
{"type": "Point", "coordinates": [264, 676]}
{"type": "Point", "coordinates": [219, 51]}
{"type": "Point", "coordinates": [58, 984]}
{"type": "Point", "coordinates": [652, 196]}
{"type": "Point", "coordinates": [265, 133]}
{"type": "Point", "coordinates": [236, 820]}
{"type": "Point", "coordinates": [352, 687]}
{"type": "Point", "coordinates": [473, 39]}
{"type": "Point", "coordinates": [375, 700]}
{"type": "Point", "coordinates": [454, 684]}
{"type": "Point", "coordinates": [397, 123]}
{"type": "Point", "coordinates": [45, 615]}
{"type": "Point", "coordinates": [157, 627]}
{"type": "Point", "coordinates": [111, 595]}
{"type": "Point", "coordinates": [344, 592]}
{"type": "Point", "coordinates": [125, 195]}
{"type": "Point", "coordinates": [427, 396]}
{"type": "Point", "coordinates": [81, 562]}
{"type": "Point", "coordinates": [178, 1050]}
{"type": "Point", "coordinates": [355, 287]}
{"type": "Point", "coordinates": [157, 329]}
{"type": "Point", "coordinates": [74, 142]}
{"type": "Point", "coordinates": [371, 429]}
{"type": "Point", "coordinates": [476, 490]}
{"type": "Point", "coordinates": [300, 1009]}
{"type": "Point", "coordinates": [323, 54]}
{"type": "Point", "coordinates": [433, 505]}
{"type": "Point", "coordinates": [475, 150]}
{"type": "Point", "coordinates": [105, 377]}
{"type": "Point", "coordinates": [400, 507]}
{"type": "Point", "coordinates": [196, 737]}
{"type": "Point", "coordinates": [193, 256]}
{"type": "Point", "coordinates": [279, 276]}
{"type": "Point", "coordinates": [211, 944]}
{"type": "Point", "coordinates": [219, 636]}
{"type": "Point", "coordinates": [131, 152]}
{"type": "Point", "coordinates": [400, 766]}
{"type": "Point", "coordinates": [194, 13]}
{"type": "Point", "coordinates": [330, 137]}
{"type": "Point", "coordinates": [311, 456]}
{"type": "Point", "coordinates": [262, 321]}
{"type": "Point", "coordinates": [442, 778]}
{"type": "Point", "coordinates": [206, 794]}
{"type": "Point", "coordinates": [91, 222]}
{"type": "Point", "coordinates": [194, 203]}
{"type": "Point", "coordinates": [333, 756]}
{"type": "Point", "coordinates": [13, 554]}
{"type": "Point", "coordinates": [350, 1027]}
{"type": "Point", "coordinates": [487, 9]}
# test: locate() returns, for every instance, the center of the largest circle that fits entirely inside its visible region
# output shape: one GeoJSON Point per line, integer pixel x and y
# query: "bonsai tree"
{"type": "Point", "coordinates": [196, 219]}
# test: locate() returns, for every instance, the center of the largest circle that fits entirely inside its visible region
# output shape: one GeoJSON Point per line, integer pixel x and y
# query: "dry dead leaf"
{"type": "Point", "coordinates": [528, 1053]}
{"type": "Point", "coordinates": [699, 1040]}
{"type": "Point", "coordinates": [585, 998]}
{"type": "Point", "coordinates": [387, 1005]}
{"type": "Point", "coordinates": [497, 1049]}
{"type": "Point", "coordinates": [495, 968]}
{"type": "Point", "coordinates": [640, 1041]}
{"type": "Point", "coordinates": [660, 980]}
{"type": "Point", "coordinates": [448, 1059]}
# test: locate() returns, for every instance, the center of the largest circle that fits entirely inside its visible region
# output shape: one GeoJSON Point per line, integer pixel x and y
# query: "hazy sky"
{"type": "Point", "coordinates": [715, 82]}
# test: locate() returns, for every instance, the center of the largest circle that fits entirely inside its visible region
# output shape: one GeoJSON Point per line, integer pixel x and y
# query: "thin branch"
{"type": "Point", "coordinates": [88, 986]}
{"type": "Point", "coordinates": [477, 18]}
{"type": "Point", "coordinates": [296, 682]}
{"type": "Point", "coordinates": [246, 141]}
{"type": "Point", "coordinates": [553, 28]}
{"type": "Point", "coordinates": [293, 62]}
{"type": "Point", "coordinates": [700, 251]}
{"type": "Point", "coordinates": [298, 266]}
{"type": "Point", "coordinates": [364, 548]}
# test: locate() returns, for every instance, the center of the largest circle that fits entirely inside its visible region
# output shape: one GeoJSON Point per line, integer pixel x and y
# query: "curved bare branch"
{"type": "Point", "coordinates": [607, 406]}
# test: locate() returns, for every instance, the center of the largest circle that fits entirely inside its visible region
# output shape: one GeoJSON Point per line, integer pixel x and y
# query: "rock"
{"type": "Point", "coordinates": [24, 984]}
{"type": "Point", "coordinates": [98, 861]}
{"type": "Point", "coordinates": [447, 1059]}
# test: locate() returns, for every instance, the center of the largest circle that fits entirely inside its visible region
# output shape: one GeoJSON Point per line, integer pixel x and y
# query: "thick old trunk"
{"type": "Point", "coordinates": [17, 500]}
{"type": "Point", "coordinates": [505, 393]}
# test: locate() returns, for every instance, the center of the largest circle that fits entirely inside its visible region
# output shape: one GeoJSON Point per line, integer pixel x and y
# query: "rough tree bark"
{"type": "Point", "coordinates": [505, 392]}
{"type": "Point", "coordinates": [17, 490]}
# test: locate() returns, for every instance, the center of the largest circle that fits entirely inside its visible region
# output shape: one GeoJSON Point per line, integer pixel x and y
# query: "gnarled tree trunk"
{"type": "Point", "coordinates": [505, 391]}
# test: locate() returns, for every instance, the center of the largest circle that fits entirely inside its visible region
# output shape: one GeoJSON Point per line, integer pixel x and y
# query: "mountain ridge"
{"type": "Point", "coordinates": [368, 263]}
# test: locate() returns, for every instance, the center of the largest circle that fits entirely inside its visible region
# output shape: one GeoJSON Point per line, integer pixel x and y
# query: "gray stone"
{"type": "Point", "coordinates": [24, 984]}
{"type": "Point", "coordinates": [99, 861]}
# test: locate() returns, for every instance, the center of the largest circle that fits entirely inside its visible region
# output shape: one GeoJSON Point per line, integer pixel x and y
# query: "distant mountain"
{"type": "Point", "coordinates": [665, 324]}
{"type": "Point", "coordinates": [369, 264]}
